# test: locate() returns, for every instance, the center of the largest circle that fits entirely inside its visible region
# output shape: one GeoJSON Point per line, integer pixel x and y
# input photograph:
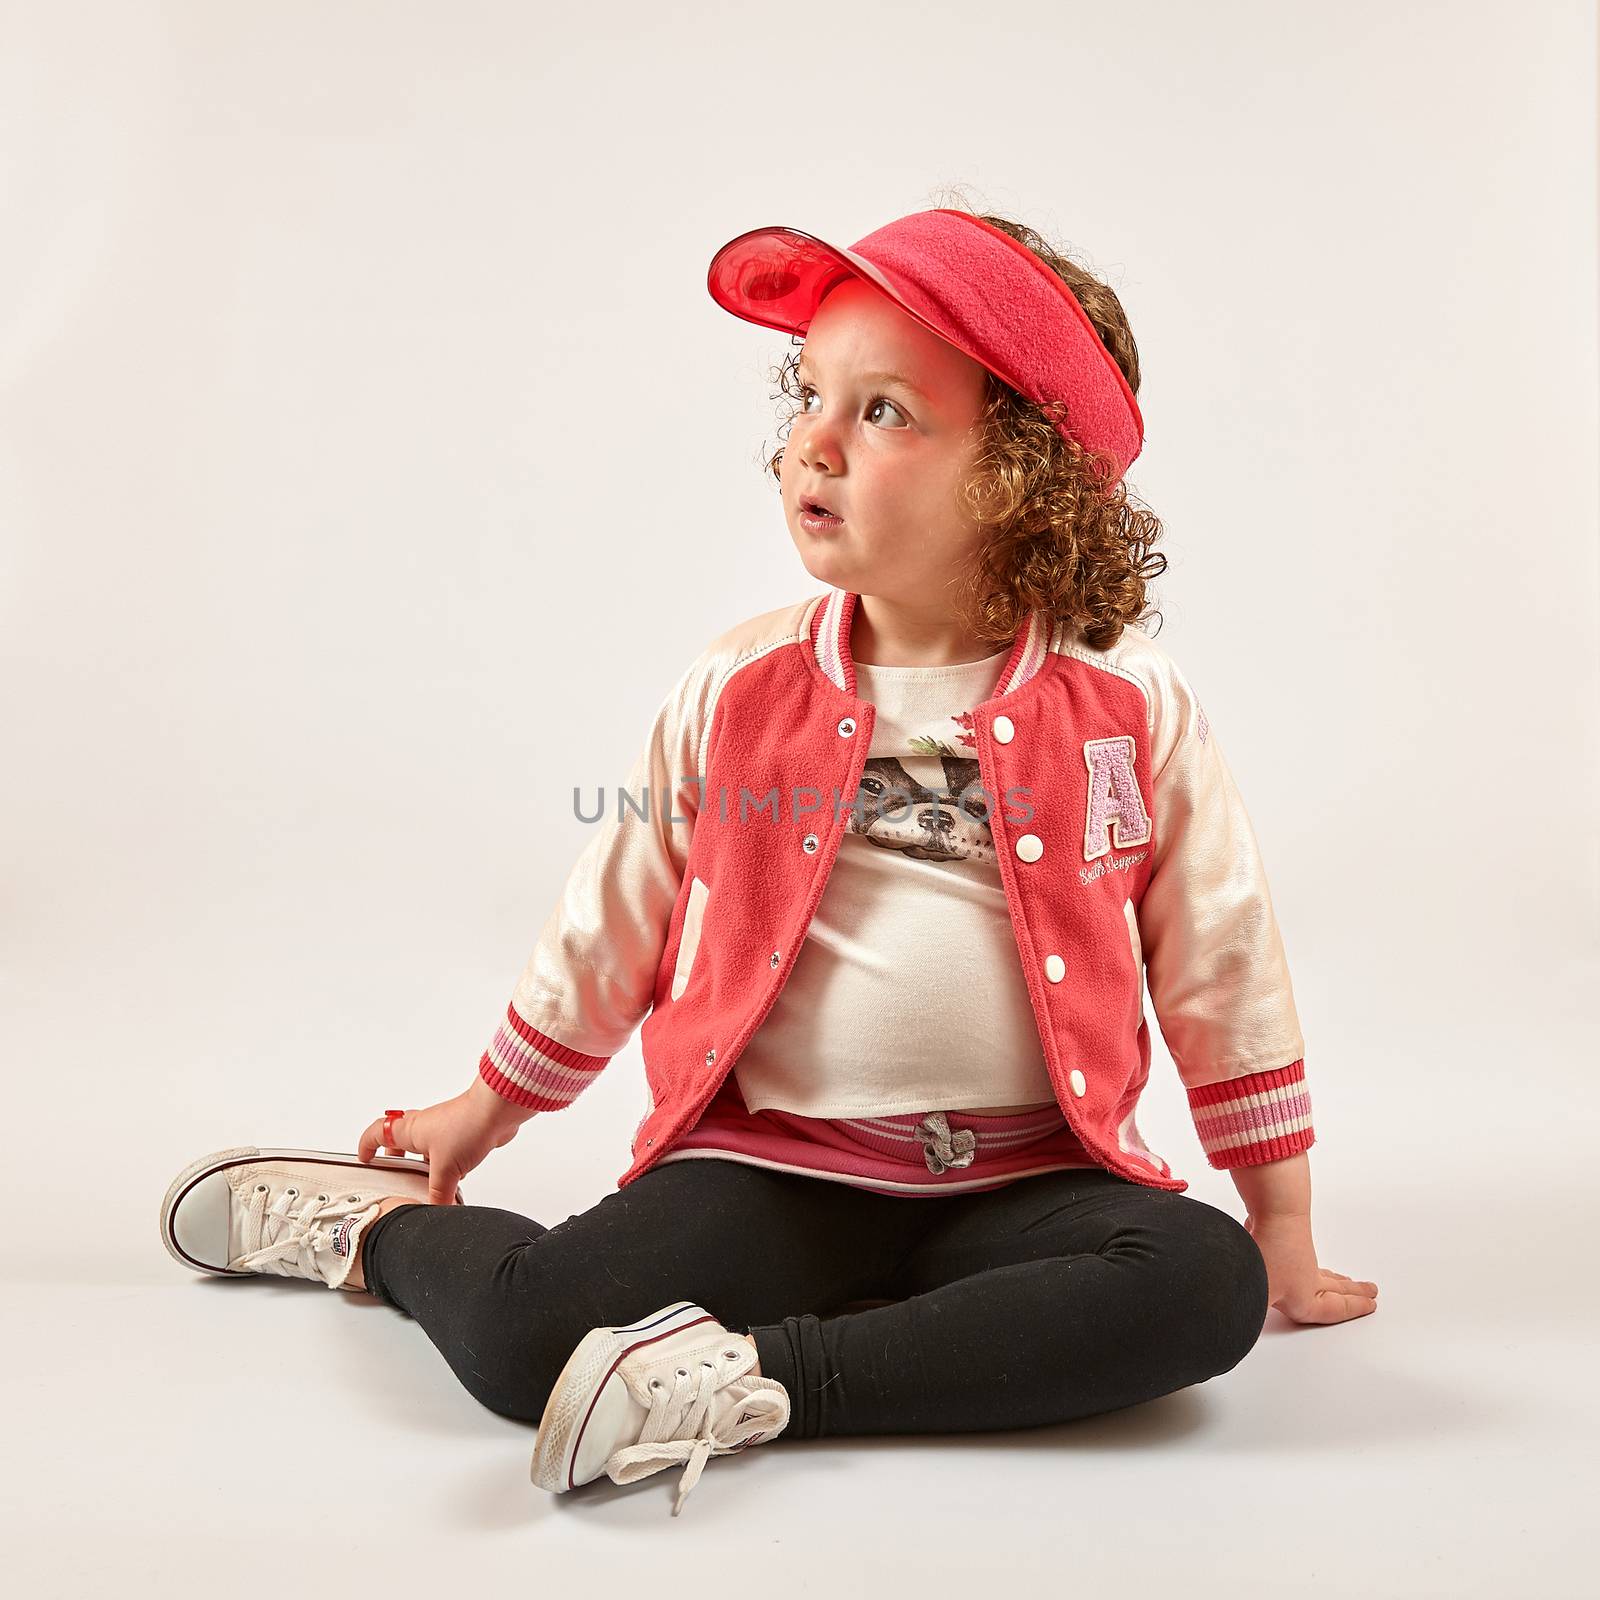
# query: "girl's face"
{"type": "Point", "coordinates": [883, 438]}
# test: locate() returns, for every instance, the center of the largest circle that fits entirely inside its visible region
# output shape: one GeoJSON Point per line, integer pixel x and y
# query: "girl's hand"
{"type": "Point", "coordinates": [454, 1135]}
{"type": "Point", "coordinates": [1296, 1285]}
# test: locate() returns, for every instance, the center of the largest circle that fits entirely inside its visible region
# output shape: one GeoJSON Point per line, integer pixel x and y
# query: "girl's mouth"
{"type": "Point", "coordinates": [815, 518]}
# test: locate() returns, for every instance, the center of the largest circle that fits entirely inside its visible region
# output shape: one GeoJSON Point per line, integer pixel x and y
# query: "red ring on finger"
{"type": "Point", "coordinates": [387, 1140]}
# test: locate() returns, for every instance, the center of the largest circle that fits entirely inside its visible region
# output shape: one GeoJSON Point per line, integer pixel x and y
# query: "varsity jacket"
{"type": "Point", "coordinates": [1126, 856]}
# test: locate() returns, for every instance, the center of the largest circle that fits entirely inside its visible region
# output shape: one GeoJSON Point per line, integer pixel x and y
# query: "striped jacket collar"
{"type": "Point", "coordinates": [830, 639]}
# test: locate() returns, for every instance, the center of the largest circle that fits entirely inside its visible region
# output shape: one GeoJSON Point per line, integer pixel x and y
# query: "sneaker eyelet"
{"type": "Point", "coordinates": [294, 1194]}
{"type": "Point", "coordinates": [261, 1188]}
{"type": "Point", "coordinates": [322, 1197]}
{"type": "Point", "coordinates": [708, 1363]}
{"type": "Point", "coordinates": [655, 1383]}
{"type": "Point", "coordinates": [683, 1372]}
{"type": "Point", "coordinates": [730, 1355]}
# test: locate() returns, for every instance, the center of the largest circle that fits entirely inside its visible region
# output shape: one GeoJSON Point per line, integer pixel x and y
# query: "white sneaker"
{"type": "Point", "coordinates": [294, 1213]}
{"type": "Point", "coordinates": [674, 1387]}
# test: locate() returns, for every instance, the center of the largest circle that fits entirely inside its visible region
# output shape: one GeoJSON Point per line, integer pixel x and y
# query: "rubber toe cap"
{"type": "Point", "coordinates": [200, 1222]}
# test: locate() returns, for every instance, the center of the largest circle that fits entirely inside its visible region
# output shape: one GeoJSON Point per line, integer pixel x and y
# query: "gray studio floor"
{"type": "Point", "coordinates": [170, 1433]}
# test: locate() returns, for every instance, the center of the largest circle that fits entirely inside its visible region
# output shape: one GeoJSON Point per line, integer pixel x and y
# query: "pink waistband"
{"type": "Point", "coordinates": [908, 1137]}
{"type": "Point", "coordinates": [927, 1143]}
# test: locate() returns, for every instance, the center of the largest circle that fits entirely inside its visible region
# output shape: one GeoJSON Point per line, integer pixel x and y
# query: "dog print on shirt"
{"type": "Point", "coordinates": [944, 822]}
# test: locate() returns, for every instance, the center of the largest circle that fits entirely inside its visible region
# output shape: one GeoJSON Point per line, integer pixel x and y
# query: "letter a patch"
{"type": "Point", "coordinates": [1114, 798]}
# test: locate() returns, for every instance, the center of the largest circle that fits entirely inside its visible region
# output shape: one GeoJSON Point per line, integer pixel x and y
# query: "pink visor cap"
{"type": "Point", "coordinates": [965, 280]}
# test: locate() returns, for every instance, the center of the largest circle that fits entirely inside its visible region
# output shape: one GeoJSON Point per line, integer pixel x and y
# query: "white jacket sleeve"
{"type": "Point", "coordinates": [590, 979]}
{"type": "Point", "coordinates": [1217, 973]}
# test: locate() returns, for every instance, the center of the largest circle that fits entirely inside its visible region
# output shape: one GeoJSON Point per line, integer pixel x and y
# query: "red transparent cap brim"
{"type": "Point", "coordinates": [777, 277]}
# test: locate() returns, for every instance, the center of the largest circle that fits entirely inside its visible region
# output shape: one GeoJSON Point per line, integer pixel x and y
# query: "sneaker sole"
{"type": "Point", "coordinates": [571, 1401]}
{"type": "Point", "coordinates": [238, 1156]}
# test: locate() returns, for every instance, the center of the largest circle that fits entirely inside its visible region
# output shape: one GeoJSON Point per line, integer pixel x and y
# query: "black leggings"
{"type": "Point", "coordinates": [1058, 1296]}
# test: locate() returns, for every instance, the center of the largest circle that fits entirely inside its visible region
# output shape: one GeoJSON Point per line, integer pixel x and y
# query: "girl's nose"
{"type": "Point", "coordinates": [817, 448]}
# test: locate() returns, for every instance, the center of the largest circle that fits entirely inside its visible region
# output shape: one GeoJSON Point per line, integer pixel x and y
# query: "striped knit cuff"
{"type": "Point", "coordinates": [531, 1069]}
{"type": "Point", "coordinates": [1263, 1116]}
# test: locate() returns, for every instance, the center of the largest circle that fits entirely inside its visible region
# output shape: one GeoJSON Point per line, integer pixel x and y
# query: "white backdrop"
{"type": "Point", "coordinates": [372, 459]}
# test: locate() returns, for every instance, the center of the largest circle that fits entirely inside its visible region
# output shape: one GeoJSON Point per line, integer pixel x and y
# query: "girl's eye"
{"type": "Point", "coordinates": [806, 392]}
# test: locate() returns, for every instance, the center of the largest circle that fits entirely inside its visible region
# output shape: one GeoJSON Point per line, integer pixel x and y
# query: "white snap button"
{"type": "Point", "coordinates": [1003, 730]}
{"type": "Point", "coordinates": [1030, 847]}
{"type": "Point", "coordinates": [847, 727]}
{"type": "Point", "coordinates": [1076, 1080]}
{"type": "Point", "coordinates": [809, 844]}
{"type": "Point", "coordinates": [1055, 969]}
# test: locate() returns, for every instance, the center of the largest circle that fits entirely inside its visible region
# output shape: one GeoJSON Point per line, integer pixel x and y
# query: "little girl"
{"type": "Point", "coordinates": [886, 889]}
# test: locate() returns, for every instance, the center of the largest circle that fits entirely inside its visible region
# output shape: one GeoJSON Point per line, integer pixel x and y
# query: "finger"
{"type": "Point", "coordinates": [1333, 1305]}
{"type": "Point", "coordinates": [400, 1137]}
{"type": "Point", "coordinates": [1356, 1285]}
{"type": "Point", "coordinates": [367, 1146]}
{"type": "Point", "coordinates": [441, 1188]}
{"type": "Point", "coordinates": [1321, 1306]}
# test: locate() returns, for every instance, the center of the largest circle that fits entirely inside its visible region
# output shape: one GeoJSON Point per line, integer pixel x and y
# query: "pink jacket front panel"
{"type": "Point", "coordinates": [1123, 848]}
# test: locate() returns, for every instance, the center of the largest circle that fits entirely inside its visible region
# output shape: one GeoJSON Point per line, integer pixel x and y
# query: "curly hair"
{"type": "Point", "coordinates": [1058, 531]}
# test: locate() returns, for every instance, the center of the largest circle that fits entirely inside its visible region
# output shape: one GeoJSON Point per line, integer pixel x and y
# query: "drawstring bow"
{"type": "Point", "coordinates": [941, 1148]}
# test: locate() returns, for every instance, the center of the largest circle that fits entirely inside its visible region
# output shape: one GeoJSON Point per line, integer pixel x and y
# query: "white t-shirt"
{"type": "Point", "coordinates": [908, 993]}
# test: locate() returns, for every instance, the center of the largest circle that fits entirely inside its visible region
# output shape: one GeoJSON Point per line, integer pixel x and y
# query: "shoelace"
{"type": "Point", "coordinates": [282, 1240]}
{"type": "Point", "coordinates": [679, 1428]}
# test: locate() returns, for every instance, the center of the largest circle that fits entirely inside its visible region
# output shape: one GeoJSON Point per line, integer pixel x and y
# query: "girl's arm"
{"type": "Point", "coordinates": [1214, 957]}
{"type": "Point", "coordinates": [1277, 1197]}
{"type": "Point", "coordinates": [1277, 1189]}
{"type": "Point", "coordinates": [590, 979]}
{"type": "Point", "coordinates": [1219, 981]}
